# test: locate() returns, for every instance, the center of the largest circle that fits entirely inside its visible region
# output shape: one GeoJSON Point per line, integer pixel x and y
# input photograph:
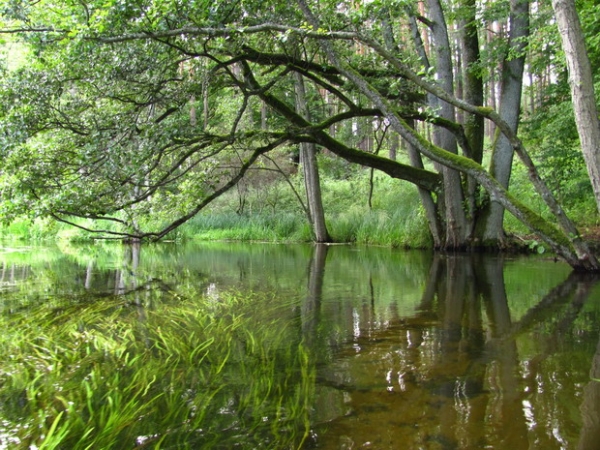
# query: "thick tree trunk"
{"type": "Point", "coordinates": [490, 229]}
{"type": "Point", "coordinates": [431, 209]}
{"type": "Point", "coordinates": [473, 94]}
{"type": "Point", "coordinates": [457, 232]}
{"type": "Point", "coordinates": [582, 88]}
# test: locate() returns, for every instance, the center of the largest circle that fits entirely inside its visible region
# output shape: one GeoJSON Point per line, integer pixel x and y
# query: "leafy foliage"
{"type": "Point", "coordinates": [154, 108]}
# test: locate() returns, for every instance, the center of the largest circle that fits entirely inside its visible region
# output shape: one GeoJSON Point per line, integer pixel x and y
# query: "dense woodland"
{"type": "Point", "coordinates": [131, 118]}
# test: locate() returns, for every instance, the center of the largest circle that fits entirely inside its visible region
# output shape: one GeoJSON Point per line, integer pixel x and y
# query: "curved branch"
{"type": "Point", "coordinates": [424, 179]}
{"type": "Point", "coordinates": [231, 183]}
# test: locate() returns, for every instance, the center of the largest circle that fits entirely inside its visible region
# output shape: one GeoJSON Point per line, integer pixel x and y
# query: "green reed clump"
{"type": "Point", "coordinates": [197, 374]}
{"type": "Point", "coordinates": [272, 212]}
{"type": "Point", "coordinates": [272, 227]}
{"type": "Point", "coordinates": [395, 228]}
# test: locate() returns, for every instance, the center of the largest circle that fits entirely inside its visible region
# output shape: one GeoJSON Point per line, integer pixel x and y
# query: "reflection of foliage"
{"type": "Point", "coordinates": [195, 374]}
{"type": "Point", "coordinates": [185, 361]}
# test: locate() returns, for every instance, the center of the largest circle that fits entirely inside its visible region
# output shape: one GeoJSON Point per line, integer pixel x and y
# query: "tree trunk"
{"type": "Point", "coordinates": [431, 208]}
{"type": "Point", "coordinates": [582, 88]}
{"type": "Point", "coordinates": [490, 228]}
{"type": "Point", "coordinates": [308, 159]}
{"type": "Point", "coordinates": [473, 93]}
{"type": "Point", "coordinates": [455, 217]}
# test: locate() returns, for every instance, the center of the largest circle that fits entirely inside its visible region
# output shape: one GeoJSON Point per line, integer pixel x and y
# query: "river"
{"type": "Point", "coordinates": [399, 349]}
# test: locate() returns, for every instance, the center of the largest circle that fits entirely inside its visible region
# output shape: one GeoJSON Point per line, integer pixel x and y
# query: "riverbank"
{"type": "Point", "coordinates": [359, 210]}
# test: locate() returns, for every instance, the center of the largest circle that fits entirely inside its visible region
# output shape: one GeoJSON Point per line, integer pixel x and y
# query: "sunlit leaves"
{"type": "Point", "coordinates": [152, 126]}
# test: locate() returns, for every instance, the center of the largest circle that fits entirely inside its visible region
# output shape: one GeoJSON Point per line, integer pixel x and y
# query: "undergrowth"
{"type": "Point", "coordinates": [272, 212]}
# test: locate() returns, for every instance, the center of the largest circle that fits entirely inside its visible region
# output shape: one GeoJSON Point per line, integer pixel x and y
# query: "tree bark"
{"type": "Point", "coordinates": [473, 94]}
{"type": "Point", "coordinates": [582, 88]}
{"type": "Point", "coordinates": [308, 160]}
{"type": "Point", "coordinates": [456, 222]}
{"type": "Point", "coordinates": [491, 229]}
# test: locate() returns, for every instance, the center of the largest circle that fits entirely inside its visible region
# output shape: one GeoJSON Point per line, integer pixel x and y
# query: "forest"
{"type": "Point", "coordinates": [454, 125]}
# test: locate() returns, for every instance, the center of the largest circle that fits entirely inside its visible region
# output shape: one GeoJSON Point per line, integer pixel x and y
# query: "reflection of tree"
{"type": "Point", "coordinates": [9, 276]}
{"type": "Point", "coordinates": [590, 408]}
{"type": "Point", "coordinates": [130, 281]}
{"type": "Point", "coordinates": [312, 305]}
{"type": "Point", "coordinates": [89, 270]}
{"type": "Point", "coordinates": [558, 315]}
{"type": "Point", "coordinates": [459, 368]}
{"type": "Point", "coordinates": [453, 374]}
{"type": "Point", "coordinates": [503, 373]}
{"type": "Point", "coordinates": [494, 362]}
{"type": "Point", "coordinates": [577, 284]}
{"type": "Point", "coordinates": [126, 276]}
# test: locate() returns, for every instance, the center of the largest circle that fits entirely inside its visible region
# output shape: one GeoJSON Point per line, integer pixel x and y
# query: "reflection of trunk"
{"type": "Point", "coordinates": [312, 304]}
{"type": "Point", "coordinates": [88, 275]}
{"type": "Point", "coordinates": [584, 285]}
{"type": "Point", "coordinates": [590, 407]}
{"type": "Point", "coordinates": [126, 277]}
{"type": "Point", "coordinates": [428, 297]}
{"type": "Point", "coordinates": [459, 364]}
{"type": "Point", "coordinates": [453, 298]}
{"type": "Point", "coordinates": [546, 308]}
{"type": "Point", "coordinates": [578, 287]}
{"type": "Point", "coordinates": [120, 282]}
{"type": "Point", "coordinates": [427, 303]}
{"type": "Point", "coordinates": [491, 285]}
{"type": "Point", "coordinates": [460, 345]}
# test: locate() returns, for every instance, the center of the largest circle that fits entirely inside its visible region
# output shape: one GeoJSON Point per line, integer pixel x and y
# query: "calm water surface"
{"type": "Point", "coordinates": [411, 350]}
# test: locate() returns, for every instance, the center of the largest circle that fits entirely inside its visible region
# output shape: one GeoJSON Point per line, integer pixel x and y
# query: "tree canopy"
{"type": "Point", "coordinates": [128, 109]}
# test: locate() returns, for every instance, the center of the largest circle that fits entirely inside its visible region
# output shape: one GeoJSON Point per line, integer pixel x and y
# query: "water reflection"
{"type": "Point", "coordinates": [411, 350]}
{"type": "Point", "coordinates": [311, 309]}
{"type": "Point", "coordinates": [453, 375]}
{"type": "Point", "coordinates": [590, 431]}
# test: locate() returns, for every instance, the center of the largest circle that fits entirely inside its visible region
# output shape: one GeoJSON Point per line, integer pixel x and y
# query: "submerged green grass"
{"type": "Point", "coordinates": [111, 374]}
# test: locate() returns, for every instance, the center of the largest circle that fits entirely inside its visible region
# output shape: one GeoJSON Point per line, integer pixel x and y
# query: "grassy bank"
{"type": "Point", "coordinates": [257, 211]}
{"type": "Point", "coordinates": [273, 213]}
{"type": "Point", "coordinates": [394, 219]}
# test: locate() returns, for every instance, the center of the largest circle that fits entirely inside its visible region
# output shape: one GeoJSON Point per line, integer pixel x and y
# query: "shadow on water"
{"type": "Point", "coordinates": [410, 350]}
